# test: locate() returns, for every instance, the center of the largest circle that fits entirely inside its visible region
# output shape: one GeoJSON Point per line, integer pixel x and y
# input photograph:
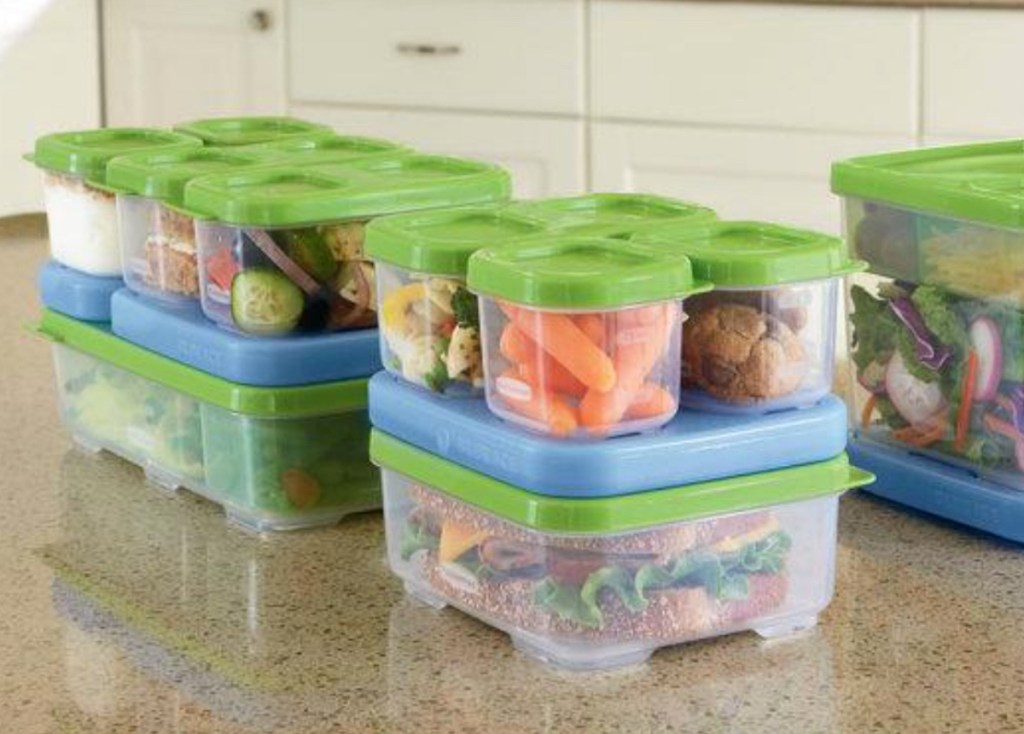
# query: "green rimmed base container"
{"type": "Point", "coordinates": [601, 583]}
{"type": "Point", "coordinates": [274, 458]}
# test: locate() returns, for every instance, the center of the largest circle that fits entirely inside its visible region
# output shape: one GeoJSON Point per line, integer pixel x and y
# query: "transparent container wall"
{"type": "Point", "coordinates": [760, 350]}
{"type": "Point", "coordinates": [82, 224]}
{"type": "Point", "coordinates": [148, 424]}
{"type": "Point", "coordinates": [158, 246]}
{"type": "Point", "coordinates": [273, 282]}
{"type": "Point", "coordinates": [430, 331]}
{"type": "Point", "coordinates": [274, 473]}
{"type": "Point", "coordinates": [598, 601]}
{"type": "Point", "coordinates": [588, 375]}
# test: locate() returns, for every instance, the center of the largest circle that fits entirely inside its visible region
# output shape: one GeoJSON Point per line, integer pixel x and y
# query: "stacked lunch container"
{"type": "Point", "coordinates": [937, 389]}
{"type": "Point", "coordinates": [235, 361]}
{"type": "Point", "coordinates": [536, 472]}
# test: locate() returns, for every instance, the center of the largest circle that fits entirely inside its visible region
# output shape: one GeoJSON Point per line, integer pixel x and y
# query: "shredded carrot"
{"type": "Point", "coordinates": [925, 434]}
{"type": "Point", "coordinates": [869, 408]}
{"type": "Point", "coordinates": [998, 425]}
{"type": "Point", "coordinates": [963, 416]}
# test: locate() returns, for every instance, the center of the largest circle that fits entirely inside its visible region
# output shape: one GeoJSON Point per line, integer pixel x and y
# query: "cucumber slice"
{"type": "Point", "coordinates": [264, 301]}
{"type": "Point", "coordinates": [308, 250]}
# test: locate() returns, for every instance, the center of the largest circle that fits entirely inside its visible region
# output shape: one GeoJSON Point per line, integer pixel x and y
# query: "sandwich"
{"type": "Point", "coordinates": [673, 582]}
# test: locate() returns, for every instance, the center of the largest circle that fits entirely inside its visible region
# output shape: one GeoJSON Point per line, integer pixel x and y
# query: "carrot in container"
{"type": "Point", "coordinates": [536, 366]}
{"type": "Point", "coordinates": [533, 402]}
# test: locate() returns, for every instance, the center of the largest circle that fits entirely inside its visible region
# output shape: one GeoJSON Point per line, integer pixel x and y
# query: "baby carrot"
{"type": "Point", "coordinates": [559, 336]}
{"type": "Point", "coordinates": [650, 401]}
{"type": "Point", "coordinates": [592, 324]}
{"type": "Point", "coordinates": [535, 366]}
{"type": "Point", "coordinates": [536, 404]}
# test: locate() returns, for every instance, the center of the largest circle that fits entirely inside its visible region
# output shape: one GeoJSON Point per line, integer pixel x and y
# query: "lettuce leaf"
{"type": "Point", "coordinates": [874, 329]}
{"type": "Point", "coordinates": [416, 538]}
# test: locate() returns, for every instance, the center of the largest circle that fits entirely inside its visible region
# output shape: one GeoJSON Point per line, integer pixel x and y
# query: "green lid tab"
{"type": "Point", "coordinates": [440, 241]}
{"type": "Point", "coordinates": [283, 196]}
{"type": "Point", "coordinates": [86, 153]}
{"type": "Point", "coordinates": [754, 254]}
{"type": "Point", "coordinates": [231, 131]}
{"type": "Point", "coordinates": [980, 182]}
{"type": "Point", "coordinates": [303, 150]}
{"type": "Point", "coordinates": [560, 271]}
{"type": "Point", "coordinates": [163, 174]}
{"type": "Point", "coordinates": [268, 402]}
{"type": "Point", "coordinates": [612, 215]}
{"type": "Point", "coordinates": [624, 513]}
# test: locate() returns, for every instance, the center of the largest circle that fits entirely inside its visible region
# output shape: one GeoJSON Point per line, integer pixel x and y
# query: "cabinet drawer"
{"type": "Point", "coordinates": [522, 55]}
{"type": "Point", "coordinates": [972, 63]}
{"type": "Point", "coordinates": [784, 66]}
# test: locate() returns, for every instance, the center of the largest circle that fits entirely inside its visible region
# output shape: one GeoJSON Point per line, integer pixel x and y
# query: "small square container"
{"type": "Point", "coordinates": [75, 294]}
{"type": "Point", "coordinates": [429, 322]}
{"type": "Point", "coordinates": [602, 583]}
{"type": "Point", "coordinates": [227, 132]}
{"type": "Point", "coordinates": [329, 148]}
{"type": "Point", "coordinates": [764, 338]}
{"type": "Point", "coordinates": [81, 213]}
{"type": "Point", "coordinates": [937, 336]}
{"type": "Point", "coordinates": [281, 249]}
{"type": "Point", "coordinates": [612, 215]}
{"type": "Point", "coordinates": [581, 334]}
{"type": "Point", "coordinates": [274, 458]}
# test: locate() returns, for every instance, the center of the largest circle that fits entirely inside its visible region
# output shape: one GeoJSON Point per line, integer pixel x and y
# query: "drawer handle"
{"type": "Point", "coordinates": [429, 49]}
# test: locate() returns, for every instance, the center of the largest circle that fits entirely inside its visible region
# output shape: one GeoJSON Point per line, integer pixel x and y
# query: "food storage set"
{"type": "Point", "coordinates": [573, 505]}
{"type": "Point", "coordinates": [935, 334]}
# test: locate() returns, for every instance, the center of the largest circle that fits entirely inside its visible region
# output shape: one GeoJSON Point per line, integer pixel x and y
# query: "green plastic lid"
{"type": "Point", "coordinates": [284, 196]}
{"type": "Point", "coordinates": [282, 402]}
{"type": "Point", "coordinates": [441, 241]}
{"type": "Point", "coordinates": [163, 174]}
{"type": "Point", "coordinates": [562, 271]}
{"type": "Point", "coordinates": [981, 182]}
{"type": "Point", "coordinates": [86, 153]}
{"type": "Point", "coordinates": [229, 131]}
{"type": "Point", "coordinates": [754, 254]}
{"type": "Point", "coordinates": [612, 215]}
{"type": "Point", "coordinates": [325, 148]}
{"type": "Point", "coordinates": [608, 515]}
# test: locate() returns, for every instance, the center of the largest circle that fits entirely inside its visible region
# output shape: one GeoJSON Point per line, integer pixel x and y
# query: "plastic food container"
{"type": "Point", "coordinates": [281, 249]}
{"type": "Point", "coordinates": [302, 149]}
{"type": "Point", "coordinates": [937, 338]}
{"type": "Point", "coordinates": [581, 335]}
{"type": "Point", "coordinates": [75, 294]}
{"type": "Point", "coordinates": [764, 338]}
{"type": "Point", "coordinates": [274, 458]}
{"type": "Point", "coordinates": [81, 213]}
{"type": "Point", "coordinates": [429, 321]}
{"type": "Point", "coordinates": [611, 215]}
{"type": "Point", "coordinates": [236, 131]}
{"type": "Point", "coordinates": [600, 583]}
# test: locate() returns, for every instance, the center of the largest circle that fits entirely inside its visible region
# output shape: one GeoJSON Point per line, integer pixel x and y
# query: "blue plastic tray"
{"type": "Point", "coordinates": [942, 490]}
{"type": "Point", "coordinates": [694, 447]}
{"type": "Point", "coordinates": [75, 294]}
{"type": "Point", "coordinates": [184, 334]}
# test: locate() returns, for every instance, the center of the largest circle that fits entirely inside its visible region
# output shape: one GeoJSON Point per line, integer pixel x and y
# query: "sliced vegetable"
{"type": "Point", "coordinates": [917, 401]}
{"type": "Point", "coordinates": [221, 268]}
{"type": "Point", "coordinates": [308, 249]}
{"type": "Point", "coordinates": [927, 347]}
{"type": "Point", "coordinates": [963, 416]}
{"type": "Point", "coordinates": [457, 539]}
{"type": "Point", "coordinates": [264, 301]}
{"type": "Point", "coordinates": [988, 350]}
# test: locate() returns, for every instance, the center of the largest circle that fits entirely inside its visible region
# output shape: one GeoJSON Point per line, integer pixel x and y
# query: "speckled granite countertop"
{"type": "Point", "coordinates": [124, 610]}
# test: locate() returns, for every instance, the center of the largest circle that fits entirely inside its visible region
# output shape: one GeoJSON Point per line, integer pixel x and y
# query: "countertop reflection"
{"type": "Point", "coordinates": [129, 610]}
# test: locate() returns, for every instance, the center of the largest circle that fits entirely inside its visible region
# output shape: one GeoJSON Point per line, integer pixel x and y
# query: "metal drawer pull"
{"type": "Point", "coordinates": [429, 49]}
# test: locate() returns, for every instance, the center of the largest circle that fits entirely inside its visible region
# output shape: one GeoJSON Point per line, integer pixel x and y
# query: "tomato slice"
{"type": "Point", "coordinates": [221, 268]}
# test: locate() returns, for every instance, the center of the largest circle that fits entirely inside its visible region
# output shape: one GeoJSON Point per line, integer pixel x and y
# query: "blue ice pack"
{"type": "Point", "coordinates": [183, 333]}
{"type": "Point", "coordinates": [694, 447]}
{"type": "Point", "coordinates": [940, 489]}
{"type": "Point", "coordinates": [76, 294]}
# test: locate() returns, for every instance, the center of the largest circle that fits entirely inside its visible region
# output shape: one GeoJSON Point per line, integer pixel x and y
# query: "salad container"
{"type": "Point", "coordinates": [581, 335]}
{"type": "Point", "coordinates": [937, 337]}
{"type": "Point", "coordinates": [611, 215]}
{"type": "Point", "coordinates": [281, 249]}
{"type": "Point", "coordinates": [600, 583]}
{"type": "Point", "coordinates": [429, 321]}
{"type": "Point", "coordinates": [274, 458]}
{"type": "Point", "coordinates": [764, 338]}
{"type": "Point", "coordinates": [325, 148]}
{"type": "Point", "coordinates": [81, 213]}
{"type": "Point", "coordinates": [237, 131]}
{"type": "Point", "coordinates": [75, 294]}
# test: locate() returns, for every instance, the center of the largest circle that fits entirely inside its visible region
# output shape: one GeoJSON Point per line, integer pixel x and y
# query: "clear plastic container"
{"type": "Point", "coordinates": [581, 336]}
{"type": "Point", "coordinates": [274, 458]}
{"type": "Point", "coordinates": [80, 210]}
{"type": "Point", "coordinates": [608, 585]}
{"type": "Point", "coordinates": [764, 338]}
{"type": "Point", "coordinates": [281, 250]}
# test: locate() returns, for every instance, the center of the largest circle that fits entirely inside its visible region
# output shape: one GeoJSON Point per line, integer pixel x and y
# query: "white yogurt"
{"type": "Point", "coordinates": [83, 226]}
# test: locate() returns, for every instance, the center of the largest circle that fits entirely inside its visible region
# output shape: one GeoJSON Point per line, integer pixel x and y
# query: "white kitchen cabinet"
{"type": "Point", "coordinates": [494, 55]}
{"type": "Point", "coordinates": [800, 67]}
{"type": "Point", "coordinates": [545, 155]}
{"type": "Point", "coordinates": [971, 64]}
{"type": "Point", "coordinates": [168, 61]}
{"type": "Point", "coordinates": [774, 176]}
{"type": "Point", "coordinates": [49, 81]}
